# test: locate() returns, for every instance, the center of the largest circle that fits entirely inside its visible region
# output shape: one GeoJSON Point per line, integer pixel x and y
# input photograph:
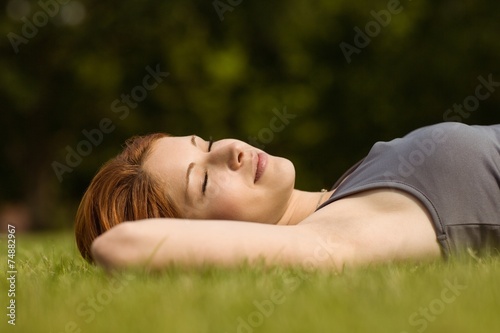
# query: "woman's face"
{"type": "Point", "coordinates": [228, 180]}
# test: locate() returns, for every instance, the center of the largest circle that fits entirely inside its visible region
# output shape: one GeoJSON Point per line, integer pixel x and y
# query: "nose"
{"type": "Point", "coordinates": [231, 154]}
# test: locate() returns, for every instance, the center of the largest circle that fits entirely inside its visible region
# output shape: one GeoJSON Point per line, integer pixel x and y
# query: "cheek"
{"type": "Point", "coordinates": [224, 199]}
{"type": "Point", "coordinates": [225, 205]}
{"type": "Point", "coordinates": [226, 212]}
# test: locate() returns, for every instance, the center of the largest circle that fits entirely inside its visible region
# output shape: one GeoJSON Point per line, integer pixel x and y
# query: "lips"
{"type": "Point", "coordinates": [261, 166]}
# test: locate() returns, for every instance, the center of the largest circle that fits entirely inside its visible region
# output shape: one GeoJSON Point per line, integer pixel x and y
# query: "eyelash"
{"type": "Point", "coordinates": [205, 181]}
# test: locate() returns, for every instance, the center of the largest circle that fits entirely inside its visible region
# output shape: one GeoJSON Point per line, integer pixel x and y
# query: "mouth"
{"type": "Point", "coordinates": [261, 166]}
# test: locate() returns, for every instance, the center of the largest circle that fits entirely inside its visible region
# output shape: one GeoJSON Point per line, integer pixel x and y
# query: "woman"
{"type": "Point", "coordinates": [432, 193]}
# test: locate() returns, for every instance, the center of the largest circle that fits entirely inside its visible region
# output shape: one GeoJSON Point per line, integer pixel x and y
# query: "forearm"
{"type": "Point", "coordinates": [158, 243]}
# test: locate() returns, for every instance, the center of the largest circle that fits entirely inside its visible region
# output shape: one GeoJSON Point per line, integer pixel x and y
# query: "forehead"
{"type": "Point", "coordinates": [168, 161]}
{"type": "Point", "coordinates": [167, 145]}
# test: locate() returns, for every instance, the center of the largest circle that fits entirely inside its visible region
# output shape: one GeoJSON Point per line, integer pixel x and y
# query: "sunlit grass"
{"type": "Point", "coordinates": [56, 291]}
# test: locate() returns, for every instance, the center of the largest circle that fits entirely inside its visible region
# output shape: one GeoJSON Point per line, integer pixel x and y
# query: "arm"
{"type": "Point", "coordinates": [157, 243]}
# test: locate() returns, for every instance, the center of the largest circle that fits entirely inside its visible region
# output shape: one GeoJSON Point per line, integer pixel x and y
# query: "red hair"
{"type": "Point", "coordinates": [121, 191]}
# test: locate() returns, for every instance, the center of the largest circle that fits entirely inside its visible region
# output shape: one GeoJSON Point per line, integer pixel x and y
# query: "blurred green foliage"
{"type": "Point", "coordinates": [225, 79]}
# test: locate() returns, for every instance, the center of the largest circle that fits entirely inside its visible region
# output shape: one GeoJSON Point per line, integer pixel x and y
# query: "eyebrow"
{"type": "Point", "coordinates": [190, 168]}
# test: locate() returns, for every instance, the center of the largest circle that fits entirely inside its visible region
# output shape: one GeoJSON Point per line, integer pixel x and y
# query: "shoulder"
{"type": "Point", "coordinates": [378, 225]}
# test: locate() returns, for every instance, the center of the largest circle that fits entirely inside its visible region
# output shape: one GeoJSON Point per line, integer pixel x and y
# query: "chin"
{"type": "Point", "coordinates": [285, 174]}
{"type": "Point", "coordinates": [288, 166]}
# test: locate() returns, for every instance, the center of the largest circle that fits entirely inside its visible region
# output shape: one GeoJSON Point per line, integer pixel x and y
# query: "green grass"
{"type": "Point", "coordinates": [56, 291]}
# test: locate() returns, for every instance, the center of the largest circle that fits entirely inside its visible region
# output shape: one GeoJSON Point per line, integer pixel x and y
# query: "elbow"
{"type": "Point", "coordinates": [98, 251]}
{"type": "Point", "coordinates": [111, 249]}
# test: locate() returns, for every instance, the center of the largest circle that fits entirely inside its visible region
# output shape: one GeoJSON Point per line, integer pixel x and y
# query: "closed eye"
{"type": "Point", "coordinates": [205, 181]}
{"type": "Point", "coordinates": [210, 143]}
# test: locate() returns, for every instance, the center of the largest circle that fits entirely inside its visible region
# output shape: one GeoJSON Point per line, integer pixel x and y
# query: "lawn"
{"type": "Point", "coordinates": [56, 291]}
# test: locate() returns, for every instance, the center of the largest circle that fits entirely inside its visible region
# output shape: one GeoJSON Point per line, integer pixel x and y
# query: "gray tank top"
{"type": "Point", "coordinates": [452, 168]}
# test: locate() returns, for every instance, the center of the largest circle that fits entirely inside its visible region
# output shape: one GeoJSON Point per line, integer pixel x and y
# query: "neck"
{"type": "Point", "coordinates": [301, 205]}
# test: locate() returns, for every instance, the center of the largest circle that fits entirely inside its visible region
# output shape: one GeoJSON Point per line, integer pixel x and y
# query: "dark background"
{"type": "Point", "coordinates": [231, 70]}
